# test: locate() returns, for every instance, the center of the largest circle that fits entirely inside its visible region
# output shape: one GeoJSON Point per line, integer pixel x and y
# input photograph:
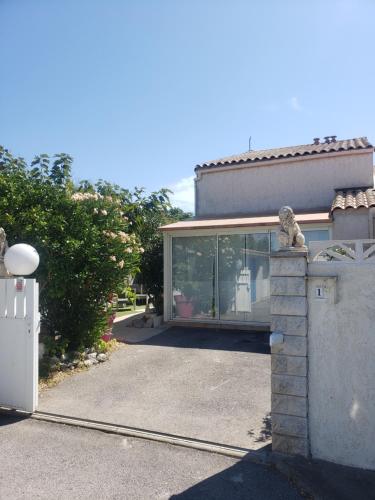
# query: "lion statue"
{"type": "Point", "coordinates": [3, 242]}
{"type": "Point", "coordinates": [3, 249]}
{"type": "Point", "coordinates": [290, 234]}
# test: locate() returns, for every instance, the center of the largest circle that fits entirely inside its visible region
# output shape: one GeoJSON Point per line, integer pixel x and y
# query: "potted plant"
{"type": "Point", "coordinates": [185, 301]}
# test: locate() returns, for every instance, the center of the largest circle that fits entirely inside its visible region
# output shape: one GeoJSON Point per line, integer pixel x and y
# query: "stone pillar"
{"type": "Point", "coordinates": [289, 357]}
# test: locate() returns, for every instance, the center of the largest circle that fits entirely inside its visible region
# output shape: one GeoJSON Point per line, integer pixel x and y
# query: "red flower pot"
{"type": "Point", "coordinates": [184, 306]}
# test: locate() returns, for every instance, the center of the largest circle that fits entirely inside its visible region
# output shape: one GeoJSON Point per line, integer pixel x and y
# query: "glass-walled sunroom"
{"type": "Point", "coordinates": [224, 277]}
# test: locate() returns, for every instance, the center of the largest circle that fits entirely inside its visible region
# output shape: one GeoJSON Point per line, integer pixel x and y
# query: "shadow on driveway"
{"type": "Point", "coordinates": [9, 418]}
{"type": "Point", "coordinates": [242, 481]}
{"type": "Point", "coordinates": [210, 338]}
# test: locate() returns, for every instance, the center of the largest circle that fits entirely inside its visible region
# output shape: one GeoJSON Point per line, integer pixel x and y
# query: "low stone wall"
{"type": "Point", "coordinates": [289, 404]}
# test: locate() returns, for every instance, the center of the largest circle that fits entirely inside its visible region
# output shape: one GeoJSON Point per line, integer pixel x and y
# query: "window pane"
{"type": "Point", "coordinates": [316, 235]}
{"type": "Point", "coordinates": [274, 241]}
{"type": "Point", "coordinates": [243, 277]}
{"type": "Point", "coordinates": [193, 277]}
{"type": "Point", "coordinates": [234, 278]}
{"type": "Point", "coordinates": [258, 261]}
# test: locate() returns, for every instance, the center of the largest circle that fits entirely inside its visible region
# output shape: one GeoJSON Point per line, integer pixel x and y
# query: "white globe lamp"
{"type": "Point", "coordinates": [21, 259]}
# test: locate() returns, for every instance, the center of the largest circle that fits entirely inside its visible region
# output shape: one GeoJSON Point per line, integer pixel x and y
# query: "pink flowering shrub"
{"type": "Point", "coordinates": [86, 248]}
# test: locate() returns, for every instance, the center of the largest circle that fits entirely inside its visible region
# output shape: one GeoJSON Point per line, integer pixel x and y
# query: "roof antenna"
{"type": "Point", "coordinates": [250, 143]}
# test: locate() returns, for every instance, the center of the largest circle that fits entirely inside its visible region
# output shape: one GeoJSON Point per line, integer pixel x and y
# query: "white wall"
{"type": "Point", "coordinates": [341, 354]}
{"type": "Point", "coordinates": [304, 183]}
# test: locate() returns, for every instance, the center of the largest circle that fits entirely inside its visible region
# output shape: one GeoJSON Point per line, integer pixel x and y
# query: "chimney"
{"type": "Point", "coordinates": [316, 140]}
{"type": "Point", "coordinates": [333, 138]}
{"type": "Point", "coordinates": [327, 139]}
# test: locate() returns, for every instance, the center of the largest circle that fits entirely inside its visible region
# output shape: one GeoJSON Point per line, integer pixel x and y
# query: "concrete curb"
{"type": "Point", "coordinates": [315, 479]}
{"type": "Point", "coordinates": [222, 449]}
{"type": "Point", "coordinates": [198, 444]}
{"type": "Point", "coordinates": [129, 318]}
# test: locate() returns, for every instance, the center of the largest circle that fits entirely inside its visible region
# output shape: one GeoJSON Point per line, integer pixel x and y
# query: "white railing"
{"type": "Point", "coordinates": [342, 251]}
{"type": "Point", "coordinates": [19, 332]}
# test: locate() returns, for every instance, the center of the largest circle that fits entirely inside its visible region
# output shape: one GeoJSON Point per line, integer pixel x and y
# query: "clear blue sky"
{"type": "Point", "coordinates": [139, 91]}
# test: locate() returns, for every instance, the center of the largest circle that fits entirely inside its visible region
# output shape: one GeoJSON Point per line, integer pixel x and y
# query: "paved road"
{"type": "Point", "coordinates": [199, 383]}
{"type": "Point", "coordinates": [39, 460]}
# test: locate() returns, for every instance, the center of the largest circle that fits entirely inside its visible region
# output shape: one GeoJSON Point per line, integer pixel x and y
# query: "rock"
{"type": "Point", "coordinates": [91, 350]}
{"type": "Point", "coordinates": [64, 366]}
{"type": "Point", "coordinates": [64, 357]}
{"type": "Point", "coordinates": [55, 367]}
{"type": "Point", "coordinates": [94, 361]}
{"type": "Point", "coordinates": [102, 357]}
{"type": "Point", "coordinates": [76, 362]}
{"type": "Point", "coordinates": [149, 323]}
{"type": "Point", "coordinates": [88, 362]}
{"type": "Point", "coordinates": [92, 355]}
{"type": "Point", "coordinates": [158, 320]}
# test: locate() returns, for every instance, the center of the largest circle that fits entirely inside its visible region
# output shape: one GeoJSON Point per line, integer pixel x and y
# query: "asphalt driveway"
{"type": "Point", "coordinates": [46, 461]}
{"type": "Point", "coordinates": [199, 383]}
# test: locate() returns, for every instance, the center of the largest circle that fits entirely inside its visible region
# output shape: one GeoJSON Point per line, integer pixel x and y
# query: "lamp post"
{"type": "Point", "coordinates": [21, 259]}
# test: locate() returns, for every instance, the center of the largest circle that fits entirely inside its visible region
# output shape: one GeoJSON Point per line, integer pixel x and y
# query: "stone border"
{"type": "Point", "coordinates": [289, 405]}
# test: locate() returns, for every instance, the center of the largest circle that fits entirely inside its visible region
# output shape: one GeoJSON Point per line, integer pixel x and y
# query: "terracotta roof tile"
{"type": "Point", "coordinates": [288, 152]}
{"type": "Point", "coordinates": [354, 198]}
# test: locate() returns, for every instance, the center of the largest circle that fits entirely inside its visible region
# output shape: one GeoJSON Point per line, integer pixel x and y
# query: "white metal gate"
{"type": "Point", "coordinates": [19, 332]}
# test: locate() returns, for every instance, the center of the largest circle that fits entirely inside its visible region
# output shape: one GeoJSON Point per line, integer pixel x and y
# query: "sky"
{"type": "Point", "coordinates": [140, 91]}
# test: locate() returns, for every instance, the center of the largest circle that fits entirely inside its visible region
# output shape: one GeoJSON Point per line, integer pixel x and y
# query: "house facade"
{"type": "Point", "coordinates": [216, 265]}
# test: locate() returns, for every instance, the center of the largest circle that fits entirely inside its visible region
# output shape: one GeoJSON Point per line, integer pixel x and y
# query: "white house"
{"type": "Point", "coordinates": [216, 265]}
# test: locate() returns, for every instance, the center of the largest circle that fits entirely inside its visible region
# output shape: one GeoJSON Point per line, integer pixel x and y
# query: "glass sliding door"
{"type": "Point", "coordinates": [193, 277]}
{"type": "Point", "coordinates": [225, 277]}
{"type": "Point", "coordinates": [243, 277]}
{"type": "Point", "coordinates": [258, 262]}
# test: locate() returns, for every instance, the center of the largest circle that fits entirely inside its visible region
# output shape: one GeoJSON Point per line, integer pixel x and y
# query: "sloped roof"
{"type": "Point", "coordinates": [289, 152]}
{"type": "Point", "coordinates": [354, 198]}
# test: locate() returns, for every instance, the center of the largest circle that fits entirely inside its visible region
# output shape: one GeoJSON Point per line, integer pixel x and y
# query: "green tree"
{"type": "Point", "coordinates": [82, 235]}
{"type": "Point", "coordinates": [151, 265]}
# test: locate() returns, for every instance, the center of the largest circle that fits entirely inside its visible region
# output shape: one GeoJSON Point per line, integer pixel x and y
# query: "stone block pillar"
{"type": "Point", "coordinates": [289, 356]}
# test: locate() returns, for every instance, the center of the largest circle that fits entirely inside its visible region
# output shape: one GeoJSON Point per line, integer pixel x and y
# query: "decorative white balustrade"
{"type": "Point", "coordinates": [342, 250]}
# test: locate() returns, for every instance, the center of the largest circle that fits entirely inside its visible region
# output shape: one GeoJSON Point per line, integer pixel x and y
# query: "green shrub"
{"type": "Point", "coordinates": [83, 238]}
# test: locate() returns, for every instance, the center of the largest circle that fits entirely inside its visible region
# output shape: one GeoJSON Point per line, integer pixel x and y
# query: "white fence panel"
{"type": "Point", "coordinates": [19, 332]}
